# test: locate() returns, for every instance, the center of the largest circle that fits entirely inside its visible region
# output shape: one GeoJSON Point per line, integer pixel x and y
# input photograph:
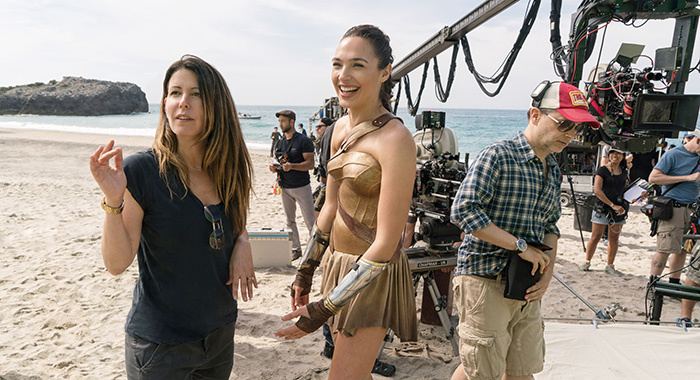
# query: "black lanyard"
{"type": "Point", "coordinates": [289, 142]}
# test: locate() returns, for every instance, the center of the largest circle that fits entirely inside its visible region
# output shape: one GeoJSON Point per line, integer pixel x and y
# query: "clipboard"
{"type": "Point", "coordinates": [635, 190]}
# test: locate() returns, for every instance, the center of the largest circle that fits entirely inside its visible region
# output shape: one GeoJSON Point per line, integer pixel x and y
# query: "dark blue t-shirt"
{"type": "Point", "coordinates": [294, 149]}
{"type": "Point", "coordinates": [181, 295]}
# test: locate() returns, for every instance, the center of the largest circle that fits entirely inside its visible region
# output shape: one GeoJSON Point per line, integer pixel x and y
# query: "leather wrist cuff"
{"type": "Point", "coordinates": [304, 279]}
{"type": "Point", "coordinates": [318, 316]}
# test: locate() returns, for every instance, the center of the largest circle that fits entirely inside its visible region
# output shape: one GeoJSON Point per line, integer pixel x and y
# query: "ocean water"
{"type": "Point", "coordinates": [474, 128]}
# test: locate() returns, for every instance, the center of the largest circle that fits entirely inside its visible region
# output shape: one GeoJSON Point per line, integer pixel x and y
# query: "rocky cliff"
{"type": "Point", "coordinates": [73, 96]}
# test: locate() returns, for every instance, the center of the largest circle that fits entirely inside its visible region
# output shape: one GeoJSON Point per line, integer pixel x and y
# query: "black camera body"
{"type": "Point", "coordinates": [633, 113]}
{"type": "Point", "coordinates": [438, 177]}
{"type": "Point", "coordinates": [434, 192]}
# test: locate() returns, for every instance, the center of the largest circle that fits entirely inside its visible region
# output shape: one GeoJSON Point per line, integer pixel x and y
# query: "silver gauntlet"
{"type": "Point", "coordinates": [314, 249]}
{"type": "Point", "coordinates": [361, 274]}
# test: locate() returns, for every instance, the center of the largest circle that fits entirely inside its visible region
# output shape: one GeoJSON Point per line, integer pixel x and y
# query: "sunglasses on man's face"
{"type": "Point", "coordinates": [566, 125]}
{"type": "Point", "coordinates": [216, 238]}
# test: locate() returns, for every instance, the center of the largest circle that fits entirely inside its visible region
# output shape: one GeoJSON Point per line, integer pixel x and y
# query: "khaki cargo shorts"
{"type": "Point", "coordinates": [669, 235]}
{"type": "Point", "coordinates": [496, 335]}
{"type": "Point", "coordinates": [693, 271]}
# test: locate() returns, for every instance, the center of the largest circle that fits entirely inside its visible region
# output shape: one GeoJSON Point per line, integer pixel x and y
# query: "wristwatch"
{"type": "Point", "coordinates": [521, 245]}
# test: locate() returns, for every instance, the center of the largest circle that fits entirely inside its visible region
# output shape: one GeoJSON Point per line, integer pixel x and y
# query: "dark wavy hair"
{"type": "Point", "coordinates": [382, 49]}
{"type": "Point", "coordinates": [226, 159]}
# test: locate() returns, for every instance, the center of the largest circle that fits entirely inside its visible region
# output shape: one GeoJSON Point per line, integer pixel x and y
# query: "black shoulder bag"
{"type": "Point", "coordinates": [661, 207]}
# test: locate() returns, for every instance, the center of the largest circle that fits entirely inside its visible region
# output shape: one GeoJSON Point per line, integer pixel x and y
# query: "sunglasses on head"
{"type": "Point", "coordinates": [566, 125]}
{"type": "Point", "coordinates": [216, 238]}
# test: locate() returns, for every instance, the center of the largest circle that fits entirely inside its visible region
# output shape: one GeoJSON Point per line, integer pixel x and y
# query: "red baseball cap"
{"type": "Point", "coordinates": [570, 102]}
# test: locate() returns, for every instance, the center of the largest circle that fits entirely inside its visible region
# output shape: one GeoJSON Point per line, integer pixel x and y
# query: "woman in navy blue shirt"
{"type": "Point", "coordinates": [180, 208]}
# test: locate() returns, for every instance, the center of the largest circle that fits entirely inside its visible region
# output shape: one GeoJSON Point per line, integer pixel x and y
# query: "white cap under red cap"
{"type": "Point", "coordinates": [570, 102]}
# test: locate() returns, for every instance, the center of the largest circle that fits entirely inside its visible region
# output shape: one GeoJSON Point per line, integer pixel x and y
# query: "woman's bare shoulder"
{"type": "Point", "coordinates": [399, 132]}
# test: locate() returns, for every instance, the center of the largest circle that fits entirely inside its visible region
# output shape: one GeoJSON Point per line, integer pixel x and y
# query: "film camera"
{"type": "Point", "coordinates": [438, 176]}
{"type": "Point", "coordinates": [629, 102]}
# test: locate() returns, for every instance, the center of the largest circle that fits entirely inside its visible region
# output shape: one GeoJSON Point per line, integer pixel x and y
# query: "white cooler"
{"type": "Point", "coordinates": [271, 247]}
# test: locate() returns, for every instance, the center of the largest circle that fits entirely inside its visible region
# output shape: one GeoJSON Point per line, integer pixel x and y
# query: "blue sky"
{"type": "Point", "coordinates": [278, 52]}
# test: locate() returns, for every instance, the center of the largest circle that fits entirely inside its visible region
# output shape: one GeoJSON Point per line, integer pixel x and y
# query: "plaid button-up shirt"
{"type": "Point", "coordinates": [505, 186]}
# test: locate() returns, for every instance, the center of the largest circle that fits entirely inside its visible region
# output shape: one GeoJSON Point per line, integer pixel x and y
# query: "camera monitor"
{"type": "Point", "coordinates": [430, 120]}
{"type": "Point", "coordinates": [628, 54]}
{"type": "Point", "coordinates": [662, 112]}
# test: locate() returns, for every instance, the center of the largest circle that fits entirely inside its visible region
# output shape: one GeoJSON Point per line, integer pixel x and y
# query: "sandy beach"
{"type": "Point", "coordinates": [62, 315]}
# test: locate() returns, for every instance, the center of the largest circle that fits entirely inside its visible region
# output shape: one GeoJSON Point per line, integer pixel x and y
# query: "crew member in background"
{"type": "Point", "coordinates": [589, 164]}
{"type": "Point", "coordinates": [302, 130]}
{"type": "Point", "coordinates": [510, 196]}
{"type": "Point", "coordinates": [677, 172]}
{"type": "Point", "coordinates": [324, 128]}
{"type": "Point", "coordinates": [609, 187]}
{"type": "Point", "coordinates": [275, 136]}
{"type": "Point", "coordinates": [323, 145]}
{"type": "Point", "coordinates": [692, 274]}
{"type": "Point", "coordinates": [295, 153]}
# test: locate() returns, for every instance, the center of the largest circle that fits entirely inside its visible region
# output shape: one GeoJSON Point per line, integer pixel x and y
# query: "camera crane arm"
{"type": "Point", "coordinates": [449, 36]}
{"type": "Point", "coordinates": [589, 15]}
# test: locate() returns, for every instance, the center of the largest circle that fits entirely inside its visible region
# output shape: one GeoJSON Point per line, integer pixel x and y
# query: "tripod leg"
{"type": "Point", "coordinates": [440, 305]}
{"type": "Point", "coordinates": [387, 338]}
{"type": "Point", "coordinates": [657, 305]}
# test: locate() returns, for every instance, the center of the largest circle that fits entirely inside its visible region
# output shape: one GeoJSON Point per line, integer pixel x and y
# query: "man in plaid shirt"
{"type": "Point", "coordinates": [509, 197]}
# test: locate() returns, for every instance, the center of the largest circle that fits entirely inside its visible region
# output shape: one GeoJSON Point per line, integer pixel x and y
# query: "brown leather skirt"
{"type": "Point", "coordinates": [388, 301]}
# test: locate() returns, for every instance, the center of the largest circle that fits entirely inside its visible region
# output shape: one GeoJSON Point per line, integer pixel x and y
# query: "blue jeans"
{"type": "Point", "coordinates": [208, 358]}
{"type": "Point", "coordinates": [327, 334]}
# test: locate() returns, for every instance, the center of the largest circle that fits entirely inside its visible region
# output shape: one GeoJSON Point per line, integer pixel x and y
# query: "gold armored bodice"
{"type": "Point", "coordinates": [358, 176]}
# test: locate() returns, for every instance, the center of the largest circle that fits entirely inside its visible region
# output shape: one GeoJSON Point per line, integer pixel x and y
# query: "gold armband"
{"type": "Point", "coordinates": [110, 209]}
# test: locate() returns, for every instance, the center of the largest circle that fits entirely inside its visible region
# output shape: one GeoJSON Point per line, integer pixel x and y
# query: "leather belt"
{"type": "Point", "coordinates": [490, 277]}
{"type": "Point", "coordinates": [678, 204]}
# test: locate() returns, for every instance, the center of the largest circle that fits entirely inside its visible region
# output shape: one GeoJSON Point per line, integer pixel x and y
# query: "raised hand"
{"type": "Point", "coordinates": [112, 180]}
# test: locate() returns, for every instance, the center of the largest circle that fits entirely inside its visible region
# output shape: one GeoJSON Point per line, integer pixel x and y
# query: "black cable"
{"type": "Point", "coordinates": [696, 68]}
{"type": "Point", "coordinates": [555, 38]}
{"type": "Point", "coordinates": [561, 55]}
{"type": "Point", "coordinates": [397, 97]}
{"type": "Point", "coordinates": [600, 54]}
{"type": "Point", "coordinates": [507, 64]}
{"type": "Point", "coordinates": [441, 94]}
{"type": "Point", "coordinates": [413, 108]}
{"type": "Point", "coordinates": [655, 4]}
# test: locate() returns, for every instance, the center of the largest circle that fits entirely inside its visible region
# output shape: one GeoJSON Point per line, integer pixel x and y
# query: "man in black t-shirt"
{"type": "Point", "coordinates": [295, 153]}
{"type": "Point", "coordinates": [275, 136]}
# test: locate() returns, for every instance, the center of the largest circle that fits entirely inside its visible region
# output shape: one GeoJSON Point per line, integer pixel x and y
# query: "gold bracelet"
{"type": "Point", "coordinates": [110, 209]}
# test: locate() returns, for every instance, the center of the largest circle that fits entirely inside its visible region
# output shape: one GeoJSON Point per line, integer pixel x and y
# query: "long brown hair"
{"type": "Point", "coordinates": [226, 159]}
{"type": "Point", "coordinates": [382, 49]}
